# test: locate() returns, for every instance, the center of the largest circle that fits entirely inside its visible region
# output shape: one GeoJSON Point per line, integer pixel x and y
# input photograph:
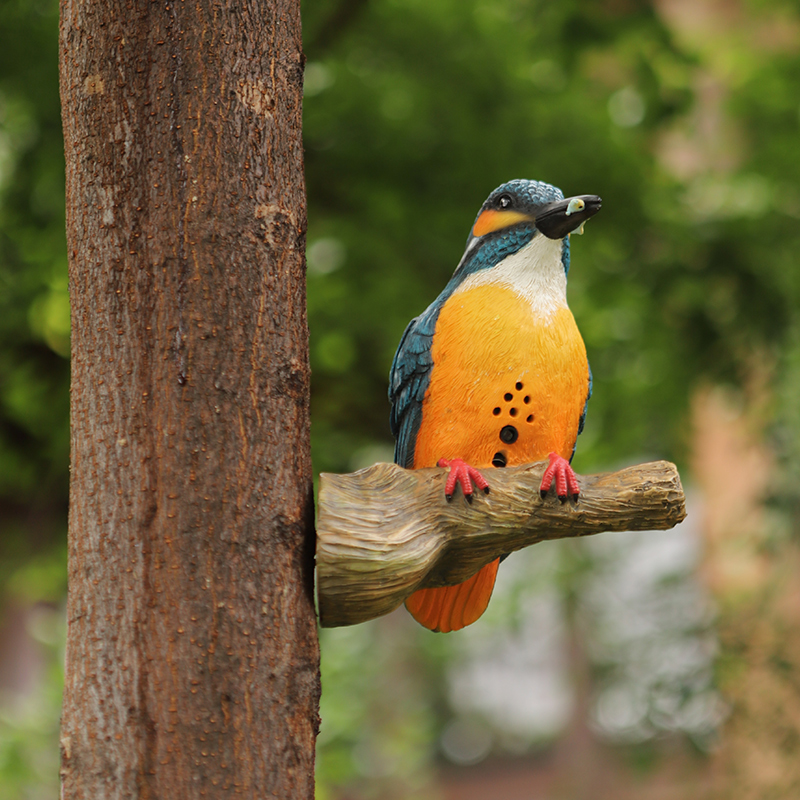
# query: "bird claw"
{"type": "Point", "coordinates": [464, 475]}
{"type": "Point", "coordinates": [562, 473]}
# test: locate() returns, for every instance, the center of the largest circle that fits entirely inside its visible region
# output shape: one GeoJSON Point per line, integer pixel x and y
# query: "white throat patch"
{"type": "Point", "coordinates": [535, 272]}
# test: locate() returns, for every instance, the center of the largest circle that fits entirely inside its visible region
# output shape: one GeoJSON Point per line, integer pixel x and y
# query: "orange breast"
{"type": "Point", "coordinates": [504, 381]}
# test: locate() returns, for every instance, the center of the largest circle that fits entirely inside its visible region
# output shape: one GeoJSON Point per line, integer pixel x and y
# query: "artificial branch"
{"type": "Point", "coordinates": [385, 531]}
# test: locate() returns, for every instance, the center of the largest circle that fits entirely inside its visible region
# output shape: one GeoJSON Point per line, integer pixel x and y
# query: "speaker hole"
{"type": "Point", "coordinates": [509, 434]}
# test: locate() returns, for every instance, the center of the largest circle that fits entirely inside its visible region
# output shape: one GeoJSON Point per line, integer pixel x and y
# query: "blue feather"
{"type": "Point", "coordinates": [409, 379]}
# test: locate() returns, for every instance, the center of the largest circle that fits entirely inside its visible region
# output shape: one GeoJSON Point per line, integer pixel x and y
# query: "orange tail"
{"type": "Point", "coordinates": [451, 608]}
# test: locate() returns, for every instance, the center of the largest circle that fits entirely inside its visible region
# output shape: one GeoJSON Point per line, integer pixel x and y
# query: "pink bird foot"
{"type": "Point", "coordinates": [463, 474]}
{"type": "Point", "coordinates": [566, 482]}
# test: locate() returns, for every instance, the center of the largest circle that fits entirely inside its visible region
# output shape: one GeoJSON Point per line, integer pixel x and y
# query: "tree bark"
{"type": "Point", "coordinates": [192, 654]}
{"type": "Point", "coordinates": [385, 532]}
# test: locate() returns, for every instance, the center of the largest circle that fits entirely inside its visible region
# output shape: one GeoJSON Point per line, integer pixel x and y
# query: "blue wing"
{"type": "Point", "coordinates": [582, 420]}
{"type": "Point", "coordinates": [409, 379]}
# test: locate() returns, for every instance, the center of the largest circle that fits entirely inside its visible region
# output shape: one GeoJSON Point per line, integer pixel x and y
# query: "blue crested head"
{"type": "Point", "coordinates": [521, 193]}
{"type": "Point", "coordinates": [516, 212]}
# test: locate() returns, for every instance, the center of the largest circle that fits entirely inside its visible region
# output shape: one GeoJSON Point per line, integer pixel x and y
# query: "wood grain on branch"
{"type": "Point", "coordinates": [384, 532]}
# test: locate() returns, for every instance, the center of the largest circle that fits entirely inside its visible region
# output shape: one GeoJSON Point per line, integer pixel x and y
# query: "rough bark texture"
{"type": "Point", "coordinates": [192, 656]}
{"type": "Point", "coordinates": [385, 532]}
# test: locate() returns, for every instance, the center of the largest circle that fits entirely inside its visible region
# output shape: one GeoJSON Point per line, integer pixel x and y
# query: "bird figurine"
{"type": "Point", "coordinates": [494, 372]}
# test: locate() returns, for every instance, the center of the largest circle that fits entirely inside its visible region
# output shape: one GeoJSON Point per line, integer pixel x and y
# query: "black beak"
{"type": "Point", "coordinates": [556, 220]}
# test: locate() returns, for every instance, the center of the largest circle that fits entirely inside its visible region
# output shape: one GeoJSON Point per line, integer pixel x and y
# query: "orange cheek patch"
{"type": "Point", "coordinates": [491, 220]}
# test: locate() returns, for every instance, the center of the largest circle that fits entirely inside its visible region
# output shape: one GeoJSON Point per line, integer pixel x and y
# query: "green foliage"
{"type": "Point", "coordinates": [688, 129]}
{"type": "Point", "coordinates": [417, 110]}
{"type": "Point", "coordinates": [376, 712]}
{"type": "Point", "coordinates": [34, 303]}
{"type": "Point", "coordinates": [34, 375]}
{"type": "Point", "coordinates": [29, 741]}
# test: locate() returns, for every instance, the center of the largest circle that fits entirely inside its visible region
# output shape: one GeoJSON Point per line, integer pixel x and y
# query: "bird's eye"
{"type": "Point", "coordinates": [504, 201]}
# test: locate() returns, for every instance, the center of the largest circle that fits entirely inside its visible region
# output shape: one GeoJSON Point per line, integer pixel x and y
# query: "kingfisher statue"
{"type": "Point", "coordinates": [494, 372]}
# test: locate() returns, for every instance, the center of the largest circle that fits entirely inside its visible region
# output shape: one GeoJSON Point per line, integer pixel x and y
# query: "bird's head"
{"type": "Point", "coordinates": [519, 210]}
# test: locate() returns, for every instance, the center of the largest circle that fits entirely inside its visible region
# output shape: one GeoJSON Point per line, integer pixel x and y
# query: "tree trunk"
{"type": "Point", "coordinates": [192, 654]}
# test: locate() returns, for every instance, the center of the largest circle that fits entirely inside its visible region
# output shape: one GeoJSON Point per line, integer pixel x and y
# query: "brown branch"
{"type": "Point", "coordinates": [384, 532]}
